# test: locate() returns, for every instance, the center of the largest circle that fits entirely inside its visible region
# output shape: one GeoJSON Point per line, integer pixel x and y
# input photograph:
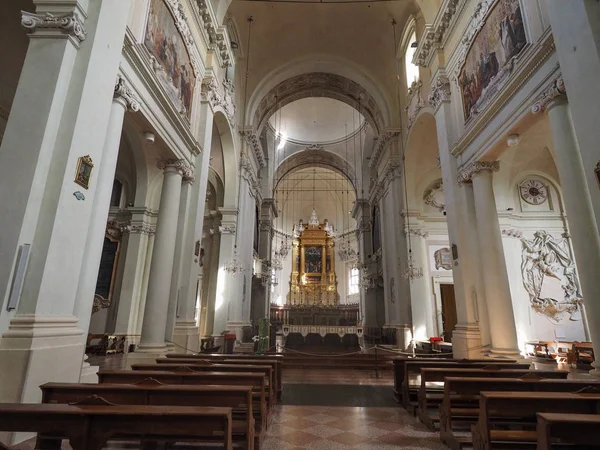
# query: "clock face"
{"type": "Point", "coordinates": [533, 192]}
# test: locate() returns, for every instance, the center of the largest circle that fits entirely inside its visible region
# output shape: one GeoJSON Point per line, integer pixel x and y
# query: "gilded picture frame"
{"type": "Point", "coordinates": [83, 174]}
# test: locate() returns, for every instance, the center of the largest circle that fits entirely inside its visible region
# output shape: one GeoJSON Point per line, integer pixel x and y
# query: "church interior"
{"type": "Point", "coordinates": [299, 224]}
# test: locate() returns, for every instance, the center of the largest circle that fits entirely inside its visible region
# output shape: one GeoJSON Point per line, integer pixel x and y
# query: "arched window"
{"type": "Point", "coordinates": [412, 70]}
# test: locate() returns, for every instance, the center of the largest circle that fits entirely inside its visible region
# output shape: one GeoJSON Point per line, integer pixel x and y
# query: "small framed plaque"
{"type": "Point", "coordinates": [84, 171]}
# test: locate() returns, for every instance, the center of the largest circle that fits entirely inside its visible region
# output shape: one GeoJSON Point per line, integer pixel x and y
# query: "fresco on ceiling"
{"type": "Point", "coordinates": [500, 39]}
{"type": "Point", "coordinates": [165, 43]}
{"type": "Point", "coordinates": [550, 278]}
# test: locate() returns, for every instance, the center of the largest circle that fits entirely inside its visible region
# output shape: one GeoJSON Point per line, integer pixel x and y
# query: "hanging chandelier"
{"type": "Point", "coordinates": [235, 265]}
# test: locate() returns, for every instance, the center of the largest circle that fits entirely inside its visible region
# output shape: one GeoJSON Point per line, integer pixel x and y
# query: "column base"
{"type": "Point", "coordinates": [466, 342]}
{"type": "Point", "coordinates": [403, 336]}
{"type": "Point", "coordinates": [187, 337]}
{"type": "Point", "coordinates": [88, 372]}
{"type": "Point", "coordinates": [37, 349]}
{"type": "Point", "coordinates": [504, 353]}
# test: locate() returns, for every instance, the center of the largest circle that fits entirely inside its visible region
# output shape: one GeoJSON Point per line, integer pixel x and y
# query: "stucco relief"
{"type": "Point", "coordinates": [415, 102]}
{"type": "Point", "coordinates": [434, 196]}
{"type": "Point", "coordinates": [550, 278]}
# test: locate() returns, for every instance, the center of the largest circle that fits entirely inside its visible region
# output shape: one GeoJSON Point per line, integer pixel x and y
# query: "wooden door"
{"type": "Point", "coordinates": [449, 318]}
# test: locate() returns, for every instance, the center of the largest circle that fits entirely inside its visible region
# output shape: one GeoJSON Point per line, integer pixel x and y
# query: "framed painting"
{"type": "Point", "coordinates": [165, 44]}
{"type": "Point", "coordinates": [84, 171]}
{"type": "Point", "coordinates": [312, 260]}
{"type": "Point", "coordinates": [500, 39]}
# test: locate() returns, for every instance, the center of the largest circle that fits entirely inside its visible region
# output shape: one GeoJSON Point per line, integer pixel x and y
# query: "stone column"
{"type": "Point", "coordinates": [503, 332]}
{"type": "Point", "coordinates": [60, 113]}
{"type": "Point", "coordinates": [122, 100]}
{"type": "Point", "coordinates": [262, 301]}
{"type": "Point", "coordinates": [161, 268]}
{"type": "Point", "coordinates": [466, 338]}
{"type": "Point", "coordinates": [367, 304]}
{"type": "Point", "coordinates": [187, 332]}
{"type": "Point", "coordinates": [579, 57]}
{"type": "Point", "coordinates": [578, 204]}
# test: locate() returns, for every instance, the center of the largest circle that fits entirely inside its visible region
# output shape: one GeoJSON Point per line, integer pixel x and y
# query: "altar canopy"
{"type": "Point", "coordinates": [313, 281]}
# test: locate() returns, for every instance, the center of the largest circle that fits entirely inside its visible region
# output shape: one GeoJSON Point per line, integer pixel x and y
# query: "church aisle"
{"type": "Point", "coordinates": [339, 428]}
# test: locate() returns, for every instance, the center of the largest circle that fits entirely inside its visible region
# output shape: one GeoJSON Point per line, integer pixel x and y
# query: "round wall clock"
{"type": "Point", "coordinates": [533, 192]}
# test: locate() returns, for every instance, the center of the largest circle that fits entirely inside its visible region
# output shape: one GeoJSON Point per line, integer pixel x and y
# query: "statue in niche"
{"type": "Point", "coordinates": [549, 277]}
{"type": "Point", "coordinates": [329, 228]}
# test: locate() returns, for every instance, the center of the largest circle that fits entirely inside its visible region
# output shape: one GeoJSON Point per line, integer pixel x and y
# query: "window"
{"type": "Point", "coordinates": [353, 282]}
{"type": "Point", "coordinates": [412, 71]}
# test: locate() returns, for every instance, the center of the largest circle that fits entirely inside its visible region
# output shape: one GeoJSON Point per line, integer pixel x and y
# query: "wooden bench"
{"type": "Point", "coordinates": [520, 409]}
{"type": "Point", "coordinates": [412, 372]}
{"type": "Point", "coordinates": [266, 370]}
{"type": "Point", "coordinates": [432, 396]}
{"type": "Point", "coordinates": [399, 362]}
{"type": "Point", "coordinates": [255, 380]}
{"type": "Point", "coordinates": [152, 392]}
{"type": "Point", "coordinates": [575, 429]}
{"type": "Point", "coordinates": [460, 407]}
{"type": "Point", "coordinates": [88, 427]}
{"type": "Point", "coordinates": [276, 366]}
{"type": "Point", "coordinates": [268, 358]}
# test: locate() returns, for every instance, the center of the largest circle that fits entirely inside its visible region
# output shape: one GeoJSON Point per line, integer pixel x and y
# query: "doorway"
{"type": "Point", "coordinates": [449, 318]}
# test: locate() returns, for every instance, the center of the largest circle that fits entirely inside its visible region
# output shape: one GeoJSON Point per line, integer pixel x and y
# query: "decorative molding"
{"type": "Point", "coordinates": [466, 175]}
{"type": "Point", "coordinates": [391, 171]}
{"type": "Point", "coordinates": [70, 24]}
{"type": "Point", "coordinates": [123, 91]}
{"type": "Point", "coordinates": [440, 92]}
{"type": "Point", "coordinates": [363, 226]}
{"type": "Point", "coordinates": [512, 233]}
{"type": "Point", "coordinates": [100, 303]}
{"type": "Point", "coordinates": [114, 230]}
{"type": "Point", "coordinates": [315, 147]}
{"type": "Point", "coordinates": [435, 35]}
{"type": "Point", "coordinates": [431, 196]}
{"type": "Point", "coordinates": [555, 90]}
{"type": "Point", "coordinates": [384, 139]}
{"type": "Point", "coordinates": [216, 36]}
{"type": "Point", "coordinates": [418, 232]}
{"type": "Point", "coordinates": [227, 228]}
{"type": "Point", "coordinates": [212, 93]}
{"type": "Point", "coordinates": [249, 134]}
{"type": "Point", "coordinates": [415, 102]}
{"type": "Point", "coordinates": [180, 165]}
{"type": "Point", "coordinates": [249, 174]}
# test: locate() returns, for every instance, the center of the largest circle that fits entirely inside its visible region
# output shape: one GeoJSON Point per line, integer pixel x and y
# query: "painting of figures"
{"type": "Point", "coordinates": [164, 42]}
{"type": "Point", "coordinates": [313, 261]}
{"type": "Point", "coordinates": [501, 38]}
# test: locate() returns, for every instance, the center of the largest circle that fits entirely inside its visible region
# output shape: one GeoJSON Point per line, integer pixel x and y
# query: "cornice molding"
{"type": "Point", "coordinates": [123, 92]}
{"type": "Point", "coordinates": [466, 175]}
{"type": "Point", "coordinates": [249, 134]}
{"type": "Point", "coordinates": [555, 90]}
{"type": "Point", "coordinates": [389, 135]}
{"type": "Point", "coordinates": [48, 25]}
{"type": "Point", "coordinates": [436, 35]}
{"type": "Point", "coordinates": [215, 36]}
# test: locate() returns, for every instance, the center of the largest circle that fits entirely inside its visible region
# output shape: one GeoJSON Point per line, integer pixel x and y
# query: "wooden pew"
{"type": "Point", "coordinates": [460, 406]}
{"type": "Point", "coordinates": [429, 398]}
{"type": "Point", "coordinates": [576, 429]}
{"type": "Point", "coordinates": [88, 427]}
{"type": "Point", "coordinates": [256, 380]}
{"type": "Point", "coordinates": [231, 358]}
{"type": "Point", "coordinates": [266, 370]}
{"type": "Point", "coordinates": [399, 363]}
{"type": "Point", "coordinates": [276, 366]}
{"type": "Point", "coordinates": [412, 371]}
{"type": "Point", "coordinates": [521, 408]}
{"type": "Point", "coordinates": [152, 392]}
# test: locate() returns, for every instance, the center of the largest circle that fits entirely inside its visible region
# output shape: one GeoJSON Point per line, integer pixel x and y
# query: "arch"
{"type": "Point", "coordinates": [141, 182]}
{"type": "Point", "coordinates": [319, 84]}
{"type": "Point", "coordinates": [215, 180]}
{"type": "Point", "coordinates": [230, 158]}
{"type": "Point", "coordinates": [314, 158]}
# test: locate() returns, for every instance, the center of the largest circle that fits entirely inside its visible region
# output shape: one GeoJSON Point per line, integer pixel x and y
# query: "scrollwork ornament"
{"type": "Point", "coordinates": [466, 175]}
{"type": "Point", "coordinates": [69, 24]}
{"type": "Point", "coordinates": [124, 92]}
{"type": "Point", "coordinates": [440, 92]}
{"type": "Point", "coordinates": [180, 165]}
{"type": "Point", "coordinates": [555, 90]}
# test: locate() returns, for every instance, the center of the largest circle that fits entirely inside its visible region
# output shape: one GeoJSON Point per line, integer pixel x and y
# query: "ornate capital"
{"type": "Point", "coordinates": [139, 228]}
{"type": "Point", "coordinates": [180, 165]}
{"type": "Point", "coordinates": [227, 228]}
{"type": "Point", "coordinates": [122, 91]}
{"type": "Point", "coordinates": [418, 232]}
{"type": "Point", "coordinates": [466, 175]}
{"type": "Point", "coordinates": [440, 92]}
{"type": "Point", "coordinates": [552, 92]}
{"type": "Point", "coordinates": [382, 142]}
{"type": "Point", "coordinates": [67, 24]}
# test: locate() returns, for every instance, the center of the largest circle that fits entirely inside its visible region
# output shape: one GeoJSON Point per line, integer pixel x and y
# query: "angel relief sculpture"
{"type": "Point", "coordinates": [550, 278]}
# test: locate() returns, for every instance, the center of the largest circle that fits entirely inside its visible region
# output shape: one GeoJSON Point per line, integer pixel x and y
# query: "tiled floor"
{"type": "Point", "coordinates": [339, 428]}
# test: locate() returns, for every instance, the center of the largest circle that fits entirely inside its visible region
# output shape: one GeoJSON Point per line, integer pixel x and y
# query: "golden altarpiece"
{"type": "Point", "coordinates": [313, 297]}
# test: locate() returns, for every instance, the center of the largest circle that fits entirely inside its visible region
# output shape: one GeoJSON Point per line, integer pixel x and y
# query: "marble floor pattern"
{"type": "Point", "coordinates": [339, 428]}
